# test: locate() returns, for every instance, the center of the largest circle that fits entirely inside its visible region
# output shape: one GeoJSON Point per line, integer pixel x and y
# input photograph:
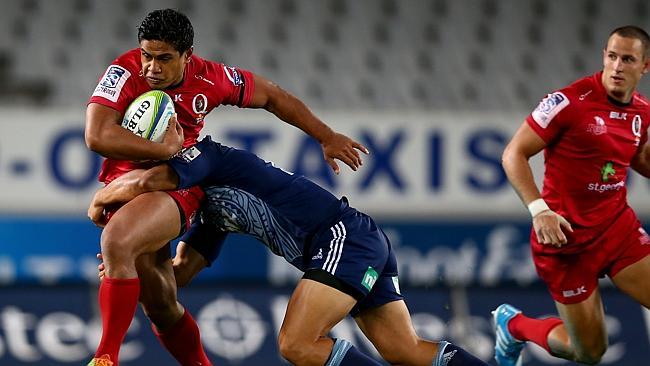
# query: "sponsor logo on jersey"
{"type": "Point", "coordinates": [583, 96]}
{"type": "Point", "coordinates": [396, 285]}
{"type": "Point", "coordinates": [571, 293]}
{"type": "Point", "coordinates": [597, 128]}
{"type": "Point", "coordinates": [600, 188]}
{"type": "Point", "coordinates": [369, 278]}
{"type": "Point", "coordinates": [607, 171]}
{"type": "Point", "coordinates": [200, 77]}
{"type": "Point", "coordinates": [111, 83]}
{"type": "Point", "coordinates": [446, 358]}
{"type": "Point", "coordinates": [233, 75]}
{"type": "Point", "coordinates": [190, 153]}
{"type": "Point", "coordinates": [319, 255]}
{"type": "Point", "coordinates": [549, 107]}
{"type": "Point", "coordinates": [618, 115]}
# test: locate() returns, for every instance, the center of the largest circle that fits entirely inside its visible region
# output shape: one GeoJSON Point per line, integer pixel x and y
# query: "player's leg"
{"type": "Point", "coordinates": [173, 326]}
{"type": "Point", "coordinates": [582, 336]}
{"type": "Point", "coordinates": [143, 225]}
{"type": "Point", "coordinates": [572, 280]}
{"type": "Point", "coordinates": [579, 335]}
{"type": "Point", "coordinates": [158, 289]}
{"type": "Point", "coordinates": [390, 330]}
{"type": "Point", "coordinates": [631, 271]}
{"type": "Point", "coordinates": [314, 308]}
{"type": "Point", "coordinates": [633, 280]}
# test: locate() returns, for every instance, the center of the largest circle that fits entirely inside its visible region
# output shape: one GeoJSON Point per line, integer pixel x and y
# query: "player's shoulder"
{"type": "Point", "coordinates": [202, 66]}
{"type": "Point", "coordinates": [216, 70]}
{"type": "Point", "coordinates": [563, 100]}
{"type": "Point", "coordinates": [642, 101]}
{"type": "Point", "coordinates": [580, 89]}
{"type": "Point", "coordinates": [572, 95]}
{"type": "Point", "coordinates": [129, 60]}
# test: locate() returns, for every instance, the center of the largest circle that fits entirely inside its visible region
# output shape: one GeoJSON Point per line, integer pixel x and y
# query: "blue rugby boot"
{"type": "Point", "coordinates": [507, 350]}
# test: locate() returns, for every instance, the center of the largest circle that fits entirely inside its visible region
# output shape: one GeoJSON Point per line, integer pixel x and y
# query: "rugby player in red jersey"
{"type": "Point", "coordinates": [583, 228]}
{"type": "Point", "coordinates": [140, 230]}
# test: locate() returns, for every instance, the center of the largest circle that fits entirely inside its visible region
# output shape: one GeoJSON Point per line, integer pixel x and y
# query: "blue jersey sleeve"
{"type": "Point", "coordinates": [198, 162]}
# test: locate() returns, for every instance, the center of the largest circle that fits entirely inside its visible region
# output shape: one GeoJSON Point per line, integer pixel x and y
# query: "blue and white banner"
{"type": "Point", "coordinates": [54, 251]}
{"type": "Point", "coordinates": [239, 325]}
{"type": "Point", "coordinates": [433, 165]}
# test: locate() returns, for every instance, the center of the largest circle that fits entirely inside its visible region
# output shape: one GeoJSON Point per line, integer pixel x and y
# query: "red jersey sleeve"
{"type": "Point", "coordinates": [549, 119]}
{"type": "Point", "coordinates": [117, 87]}
{"type": "Point", "coordinates": [234, 86]}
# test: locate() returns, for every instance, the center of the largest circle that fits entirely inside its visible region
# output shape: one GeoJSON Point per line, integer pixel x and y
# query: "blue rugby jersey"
{"type": "Point", "coordinates": [248, 195]}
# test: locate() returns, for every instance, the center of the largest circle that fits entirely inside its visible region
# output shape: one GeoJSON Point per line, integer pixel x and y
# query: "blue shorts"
{"type": "Point", "coordinates": [355, 256]}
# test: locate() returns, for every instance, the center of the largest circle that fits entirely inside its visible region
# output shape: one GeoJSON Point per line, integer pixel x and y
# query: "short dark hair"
{"type": "Point", "coordinates": [167, 25]}
{"type": "Point", "coordinates": [632, 31]}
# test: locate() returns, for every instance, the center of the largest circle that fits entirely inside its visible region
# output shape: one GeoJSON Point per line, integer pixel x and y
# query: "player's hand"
{"type": "Point", "coordinates": [173, 138]}
{"type": "Point", "coordinates": [343, 148]}
{"type": "Point", "coordinates": [101, 268]}
{"type": "Point", "coordinates": [548, 227]}
{"type": "Point", "coordinates": [96, 212]}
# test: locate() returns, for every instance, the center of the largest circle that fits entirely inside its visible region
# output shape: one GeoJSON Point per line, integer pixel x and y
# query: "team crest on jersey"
{"type": "Point", "coordinates": [549, 107]}
{"type": "Point", "coordinates": [111, 83]}
{"type": "Point", "coordinates": [636, 129]}
{"type": "Point", "coordinates": [200, 104]}
{"type": "Point", "coordinates": [233, 75]}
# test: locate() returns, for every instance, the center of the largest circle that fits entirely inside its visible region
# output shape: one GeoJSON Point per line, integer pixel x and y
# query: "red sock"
{"type": "Point", "coordinates": [183, 341]}
{"type": "Point", "coordinates": [524, 328]}
{"type": "Point", "coordinates": [118, 299]}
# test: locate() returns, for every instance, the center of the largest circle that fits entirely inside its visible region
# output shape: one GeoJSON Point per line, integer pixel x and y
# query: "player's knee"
{"type": "Point", "coordinates": [115, 244]}
{"type": "Point", "coordinates": [591, 356]}
{"type": "Point", "coordinates": [293, 349]}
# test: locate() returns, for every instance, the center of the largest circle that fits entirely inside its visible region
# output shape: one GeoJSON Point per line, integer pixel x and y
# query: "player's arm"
{"type": "Point", "coordinates": [129, 186]}
{"type": "Point", "coordinates": [515, 160]}
{"type": "Point", "coordinates": [187, 264]}
{"type": "Point", "coordinates": [641, 161]}
{"type": "Point", "coordinates": [523, 145]}
{"type": "Point", "coordinates": [292, 110]}
{"type": "Point", "coordinates": [105, 136]}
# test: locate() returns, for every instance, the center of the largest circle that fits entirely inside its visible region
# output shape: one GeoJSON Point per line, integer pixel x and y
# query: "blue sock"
{"type": "Point", "coordinates": [345, 354]}
{"type": "Point", "coordinates": [451, 355]}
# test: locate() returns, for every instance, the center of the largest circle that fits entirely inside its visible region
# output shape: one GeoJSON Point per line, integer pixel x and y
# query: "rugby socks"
{"type": "Point", "coordinates": [524, 328]}
{"type": "Point", "coordinates": [183, 341]}
{"type": "Point", "coordinates": [452, 355]}
{"type": "Point", "coordinates": [118, 299]}
{"type": "Point", "coordinates": [345, 354]}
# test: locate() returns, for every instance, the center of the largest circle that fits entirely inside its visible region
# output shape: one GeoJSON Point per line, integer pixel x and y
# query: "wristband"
{"type": "Point", "coordinates": [537, 206]}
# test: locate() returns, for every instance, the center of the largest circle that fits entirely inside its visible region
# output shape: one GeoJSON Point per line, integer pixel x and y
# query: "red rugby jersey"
{"type": "Point", "coordinates": [591, 140]}
{"type": "Point", "coordinates": [205, 85]}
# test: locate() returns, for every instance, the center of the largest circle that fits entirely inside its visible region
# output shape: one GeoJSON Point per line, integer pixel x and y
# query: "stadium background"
{"type": "Point", "coordinates": [433, 88]}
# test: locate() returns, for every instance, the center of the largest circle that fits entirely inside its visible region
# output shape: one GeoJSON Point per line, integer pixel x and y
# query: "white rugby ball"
{"type": "Point", "coordinates": [149, 114]}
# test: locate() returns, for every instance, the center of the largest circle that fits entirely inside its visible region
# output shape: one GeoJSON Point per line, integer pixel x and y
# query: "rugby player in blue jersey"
{"type": "Point", "coordinates": [347, 260]}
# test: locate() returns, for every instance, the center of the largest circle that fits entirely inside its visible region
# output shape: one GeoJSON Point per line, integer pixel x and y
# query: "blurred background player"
{"type": "Point", "coordinates": [347, 260]}
{"type": "Point", "coordinates": [583, 227]}
{"type": "Point", "coordinates": [165, 60]}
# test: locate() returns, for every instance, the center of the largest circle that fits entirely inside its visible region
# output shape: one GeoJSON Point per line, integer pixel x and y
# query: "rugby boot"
{"type": "Point", "coordinates": [103, 360]}
{"type": "Point", "coordinates": [507, 350]}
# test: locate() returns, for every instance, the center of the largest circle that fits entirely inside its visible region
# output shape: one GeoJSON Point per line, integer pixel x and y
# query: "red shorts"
{"type": "Point", "coordinates": [572, 277]}
{"type": "Point", "coordinates": [188, 201]}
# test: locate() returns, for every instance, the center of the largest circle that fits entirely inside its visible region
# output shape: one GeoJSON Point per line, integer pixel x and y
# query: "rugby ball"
{"type": "Point", "coordinates": [149, 114]}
